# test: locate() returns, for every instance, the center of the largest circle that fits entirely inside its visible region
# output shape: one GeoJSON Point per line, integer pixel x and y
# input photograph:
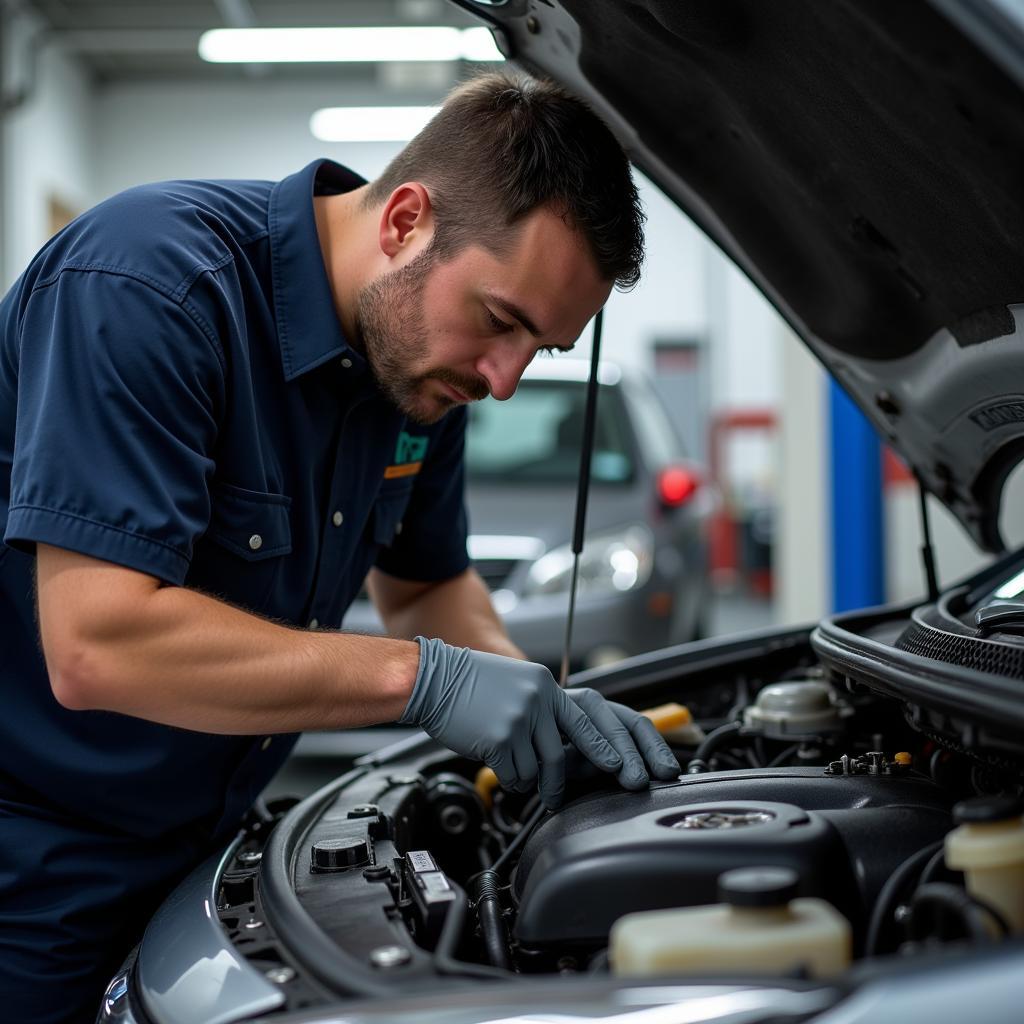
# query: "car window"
{"type": "Point", "coordinates": [657, 436]}
{"type": "Point", "coordinates": [535, 437]}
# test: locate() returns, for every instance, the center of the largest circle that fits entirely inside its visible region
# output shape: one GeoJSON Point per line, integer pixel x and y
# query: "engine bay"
{"type": "Point", "coordinates": [415, 869]}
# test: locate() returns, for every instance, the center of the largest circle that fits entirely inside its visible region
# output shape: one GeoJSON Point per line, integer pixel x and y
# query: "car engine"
{"type": "Point", "coordinates": [844, 757]}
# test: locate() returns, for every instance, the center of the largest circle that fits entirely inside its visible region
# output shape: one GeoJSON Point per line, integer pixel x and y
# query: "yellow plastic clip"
{"type": "Point", "coordinates": [669, 717]}
{"type": "Point", "coordinates": [486, 783]}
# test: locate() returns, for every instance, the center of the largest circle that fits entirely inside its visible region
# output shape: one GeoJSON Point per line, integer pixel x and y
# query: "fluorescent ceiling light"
{"type": "Point", "coordinates": [478, 44]}
{"type": "Point", "coordinates": [323, 45]}
{"type": "Point", "coordinates": [369, 124]}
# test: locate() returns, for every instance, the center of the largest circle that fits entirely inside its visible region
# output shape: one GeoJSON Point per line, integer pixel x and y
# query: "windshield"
{"type": "Point", "coordinates": [535, 437]}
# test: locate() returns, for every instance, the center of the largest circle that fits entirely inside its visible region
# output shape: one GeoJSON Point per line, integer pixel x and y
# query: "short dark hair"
{"type": "Point", "coordinates": [502, 146]}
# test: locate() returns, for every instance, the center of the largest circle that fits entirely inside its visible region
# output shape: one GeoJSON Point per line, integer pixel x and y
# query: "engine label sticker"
{"type": "Point", "coordinates": [420, 860]}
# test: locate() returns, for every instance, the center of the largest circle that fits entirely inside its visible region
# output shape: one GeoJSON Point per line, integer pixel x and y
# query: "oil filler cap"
{"type": "Point", "coordinates": [758, 887]}
{"type": "Point", "coordinates": [339, 854]}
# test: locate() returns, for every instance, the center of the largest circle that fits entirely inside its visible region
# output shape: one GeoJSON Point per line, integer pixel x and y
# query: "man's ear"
{"type": "Point", "coordinates": [406, 221]}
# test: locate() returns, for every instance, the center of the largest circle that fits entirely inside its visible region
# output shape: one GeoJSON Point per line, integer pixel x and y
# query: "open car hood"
{"type": "Point", "coordinates": [863, 163]}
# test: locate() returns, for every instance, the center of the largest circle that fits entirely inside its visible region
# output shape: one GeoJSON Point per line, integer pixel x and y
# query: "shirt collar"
{"type": "Point", "coordinates": [307, 323]}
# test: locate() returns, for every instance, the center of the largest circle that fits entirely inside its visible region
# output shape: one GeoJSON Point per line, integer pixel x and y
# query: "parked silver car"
{"type": "Point", "coordinates": [643, 579]}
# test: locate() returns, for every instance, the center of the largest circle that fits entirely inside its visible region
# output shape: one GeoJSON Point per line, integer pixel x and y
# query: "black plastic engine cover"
{"type": "Point", "coordinates": [607, 855]}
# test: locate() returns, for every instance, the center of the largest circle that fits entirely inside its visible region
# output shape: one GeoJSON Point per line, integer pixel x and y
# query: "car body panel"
{"type": "Point", "coordinates": [189, 971]}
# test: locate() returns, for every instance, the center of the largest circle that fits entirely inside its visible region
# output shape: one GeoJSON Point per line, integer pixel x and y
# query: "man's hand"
{"type": "Point", "coordinates": [511, 715]}
{"type": "Point", "coordinates": [633, 736]}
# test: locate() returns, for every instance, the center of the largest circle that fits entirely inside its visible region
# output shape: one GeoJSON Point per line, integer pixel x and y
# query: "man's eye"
{"type": "Point", "coordinates": [498, 325]}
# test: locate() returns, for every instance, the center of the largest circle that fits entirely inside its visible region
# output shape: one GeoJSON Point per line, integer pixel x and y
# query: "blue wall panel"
{"type": "Point", "coordinates": [857, 539]}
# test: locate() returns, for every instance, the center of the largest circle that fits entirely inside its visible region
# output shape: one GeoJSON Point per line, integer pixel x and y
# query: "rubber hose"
{"type": "Point", "coordinates": [451, 932]}
{"type": "Point", "coordinates": [891, 890]}
{"type": "Point", "coordinates": [714, 739]}
{"type": "Point", "coordinates": [492, 920]}
{"type": "Point", "coordinates": [952, 901]}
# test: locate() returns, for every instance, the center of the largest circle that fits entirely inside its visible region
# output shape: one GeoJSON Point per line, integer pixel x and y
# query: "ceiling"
{"type": "Point", "coordinates": [156, 40]}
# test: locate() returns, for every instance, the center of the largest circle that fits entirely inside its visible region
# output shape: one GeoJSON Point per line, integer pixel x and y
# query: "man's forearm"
{"type": "Point", "coordinates": [458, 611]}
{"type": "Point", "coordinates": [176, 656]}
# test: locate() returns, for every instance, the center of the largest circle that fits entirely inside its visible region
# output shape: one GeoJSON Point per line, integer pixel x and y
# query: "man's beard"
{"type": "Point", "coordinates": [390, 326]}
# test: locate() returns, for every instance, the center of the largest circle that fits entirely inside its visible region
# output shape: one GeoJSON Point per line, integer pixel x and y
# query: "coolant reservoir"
{"type": "Point", "coordinates": [759, 928]}
{"type": "Point", "coordinates": [988, 847]}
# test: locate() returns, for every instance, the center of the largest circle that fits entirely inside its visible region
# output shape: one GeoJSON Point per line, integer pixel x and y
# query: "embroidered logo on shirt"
{"type": "Point", "coordinates": [409, 453]}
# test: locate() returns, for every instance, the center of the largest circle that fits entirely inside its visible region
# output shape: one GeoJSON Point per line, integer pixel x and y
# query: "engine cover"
{"type": "Point", "coordinates": [604, 855]}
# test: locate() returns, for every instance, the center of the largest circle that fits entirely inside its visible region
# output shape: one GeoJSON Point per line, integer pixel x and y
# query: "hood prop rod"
{"type": "Point", "coordinates": [927, 551]}
{"type": "Point", "coordinates": [582, 489]}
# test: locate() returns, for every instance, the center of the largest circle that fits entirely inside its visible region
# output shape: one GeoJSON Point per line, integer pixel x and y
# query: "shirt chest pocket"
{"type": "Point", "coordinates": [253, 524]}
{"type": "Point", "coordinates": [241, 555]}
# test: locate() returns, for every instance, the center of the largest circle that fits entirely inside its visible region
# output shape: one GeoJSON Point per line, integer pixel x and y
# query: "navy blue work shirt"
{"type": "Point", "coordinates": [177, 396]}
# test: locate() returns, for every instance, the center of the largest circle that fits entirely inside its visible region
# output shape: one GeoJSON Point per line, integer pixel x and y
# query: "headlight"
{"type": "Point", "coordinates": [611, 563]}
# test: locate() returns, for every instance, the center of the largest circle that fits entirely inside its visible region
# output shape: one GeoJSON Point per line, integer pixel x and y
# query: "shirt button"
{"type": "Point", "coordinates": [255, 542]}
{"type": "Point", "coordinates": [267, 740]}
{"type": "Point", "coordinates": [337, 519]}
{"type": "Point", "coordinates": [313, 623]}
{"type": "Point", "coordinates": [347, 363]}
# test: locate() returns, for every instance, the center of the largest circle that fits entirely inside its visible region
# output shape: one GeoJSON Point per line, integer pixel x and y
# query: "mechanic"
{"type": "Point", "coordinates": [222, 405]}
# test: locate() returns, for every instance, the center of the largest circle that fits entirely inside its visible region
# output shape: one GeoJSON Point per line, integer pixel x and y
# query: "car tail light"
{"type": "Point", "coordinates": [676, 486]}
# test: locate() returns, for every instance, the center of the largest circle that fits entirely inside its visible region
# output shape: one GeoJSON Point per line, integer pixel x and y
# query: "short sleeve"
{"type": "Point", "coordinates": [432, 543]}
{"type": "Point", "coordinates": [119, 392]}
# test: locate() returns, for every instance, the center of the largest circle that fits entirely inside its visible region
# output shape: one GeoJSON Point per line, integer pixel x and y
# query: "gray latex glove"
{"type": "Point", "coordinates": [644, 753]}
{"type": "Point", "coordinates": [510, 714]}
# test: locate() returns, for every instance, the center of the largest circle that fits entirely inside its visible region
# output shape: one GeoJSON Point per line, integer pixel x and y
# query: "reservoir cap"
{"type": "Point", "coordinates": [758, 887]}
{"type": "Point", "coordinates": [985, 809]}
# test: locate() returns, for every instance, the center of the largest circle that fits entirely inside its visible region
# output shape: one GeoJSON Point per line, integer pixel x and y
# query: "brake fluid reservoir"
{"type": "Point", "coordinates": [795, 709]}
{"type": "Point", "coordinates": [988, 847]}
{"type": "Point", "coordinates": [759, 928]}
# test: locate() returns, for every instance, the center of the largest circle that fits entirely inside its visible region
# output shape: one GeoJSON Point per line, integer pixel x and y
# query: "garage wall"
{"type": "Point", "coordinates": [955, 554]}
{"type": "Point", "coordinates": [671, 299]}
{"type": "Point", "coordinates": [247, 130]}
{"type": "Point", "coordinates": [47, 146]}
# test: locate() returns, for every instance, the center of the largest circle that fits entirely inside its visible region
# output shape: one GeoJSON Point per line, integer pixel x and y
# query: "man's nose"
{"type": "Point", "coordinates": [504, 364]}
